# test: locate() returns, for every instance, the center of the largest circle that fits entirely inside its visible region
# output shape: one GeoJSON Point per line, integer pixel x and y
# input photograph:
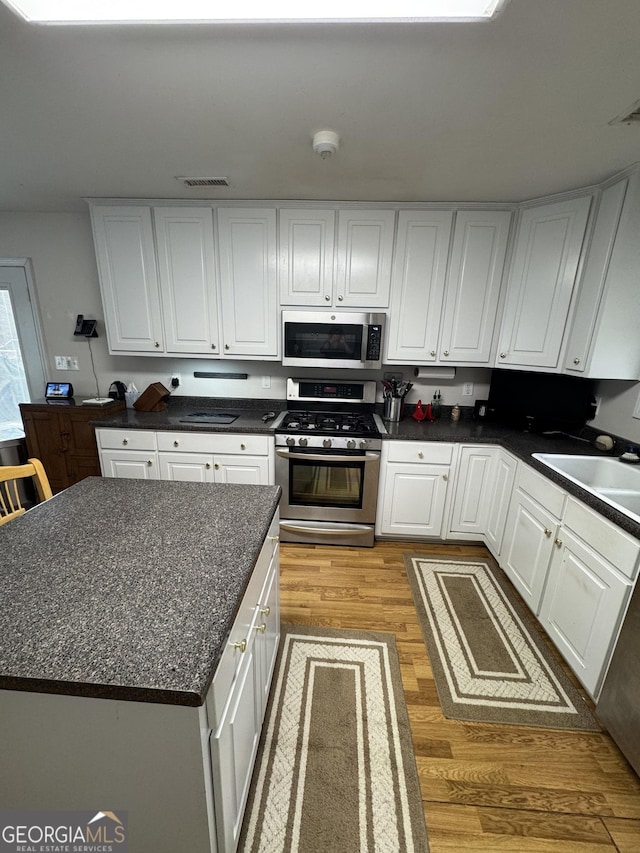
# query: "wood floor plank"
{"type": "Point", "coordinates": [485, 787]}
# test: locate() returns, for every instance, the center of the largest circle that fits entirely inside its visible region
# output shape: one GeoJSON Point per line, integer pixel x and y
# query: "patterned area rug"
{"type": "Point", "coordinates": [489, 657]}
{"type": "Point", "coordinates": [336, 771]}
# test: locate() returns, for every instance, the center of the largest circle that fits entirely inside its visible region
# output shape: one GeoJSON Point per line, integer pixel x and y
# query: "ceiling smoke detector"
{"type": "Point", "coordinates": [326, 143]}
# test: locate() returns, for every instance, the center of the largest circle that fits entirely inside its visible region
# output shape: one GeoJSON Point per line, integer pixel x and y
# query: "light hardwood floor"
{"type": "Point", "coordinates": [484, 787]}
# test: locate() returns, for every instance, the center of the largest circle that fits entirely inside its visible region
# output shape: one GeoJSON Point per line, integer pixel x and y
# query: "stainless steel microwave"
{"type": "Point", "coordinates": [332, 339]}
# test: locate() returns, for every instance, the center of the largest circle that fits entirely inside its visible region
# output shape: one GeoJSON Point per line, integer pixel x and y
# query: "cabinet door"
{"type": "Point", "coordinates": [306, 256]}
{"type": "Point", "coordinates": [233, 748]}
{"type": "Point", "coordinates": [541, 282]}
{"type": "Point", "coordinates": [365, 247]}
{"type": "Point", "coordinates": [473, 286]}
{"type": "Point", "coordinates": [135, 464]}
{"type": "Point", "coordinates": [184, 238]}
{"type": "Point", "coordinates": [418, 285]}
{"type": "Point", "coordinates": [531, 531]}
{"type": "Point", "coordinates": [474, 482]}
{"type": "Point", "coordinates": [248, 282]}
{"type": "Point", "coordinates": [268, 630]}
{"type": "Point", "coordinates": [413, 499]}
{"type": "Point", "coordinates": [186, 467]}
{"type": "Point", "coordinates": [46, 442]}
{"type": "Point", "coordinates": [498, 501]}
{"type": "Point", "coordinates": [125, 254]}
{"type": "Point", "coordinates": [252, 470]}
{"type": "Point", "coordinates": [582, 607]}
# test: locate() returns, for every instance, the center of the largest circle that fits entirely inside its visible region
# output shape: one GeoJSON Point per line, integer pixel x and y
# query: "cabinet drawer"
{"type": "Point", "coordinates": [428, 452]}
{"type": "Point", "coordinates": [203, 442]}
{"type": "Point", "coordinates": [606, 538]}
{"type": "Point", "coordinates": [543, 491]}
{"type": "Point", "coordinates": [132, 439]}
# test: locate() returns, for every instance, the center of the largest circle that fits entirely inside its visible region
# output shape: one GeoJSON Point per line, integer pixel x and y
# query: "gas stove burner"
{"type": "Point", "coordinates": [330, 423]}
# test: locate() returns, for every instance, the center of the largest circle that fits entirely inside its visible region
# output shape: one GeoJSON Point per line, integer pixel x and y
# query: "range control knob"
{"type": "Point", "coordinates": [291, 441]}
{"type": "Point", "coordinates": [351, 444]}
{"type": "Point", "coordinates": [326, 442]}
{"type": "Point", "coordinates": [364, 445]}
{"type": "Point", "coordinates": [303, 442]}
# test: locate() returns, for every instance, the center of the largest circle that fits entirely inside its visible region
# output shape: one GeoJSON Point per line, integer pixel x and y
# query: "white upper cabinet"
{"type": "Point", "coordinates": [541, 281]}
{"type": "Point", "coordinates": [363, 258]}
{"type": "Point", "coordinates": [125, 255]}
{"type": "Point", "coordinates": [306, 244]}
{"type": "Point", "coordinates": [419, 271]}
{"type": "Point", "coordinates": [473, 285]}
{"type": "Point", "coordinates": [248, 282]}
{"type": "Point", "coordinates": [604, 341]}
{"type": "Point", "coordinates": [184, 238]}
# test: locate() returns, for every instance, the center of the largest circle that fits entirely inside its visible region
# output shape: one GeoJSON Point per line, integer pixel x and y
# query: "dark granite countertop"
{"type": "Point", "coordinates": [249, 412]}
{"type": "Point", "coordinates": [127, 589]}
{"type": "Point", "coordinates": [522, 444]}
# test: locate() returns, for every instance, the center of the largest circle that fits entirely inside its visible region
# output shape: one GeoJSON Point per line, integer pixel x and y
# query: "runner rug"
{"type": "Point", "coordinates": [489, 658]}
{"type": "Point", "coordinates": [336, 771]}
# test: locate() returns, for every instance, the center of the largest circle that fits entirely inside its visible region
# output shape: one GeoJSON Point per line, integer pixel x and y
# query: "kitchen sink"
{"type": "Point", "coordinates": [614, 482]}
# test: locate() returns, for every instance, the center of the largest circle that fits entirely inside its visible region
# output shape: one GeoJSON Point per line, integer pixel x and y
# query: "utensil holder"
{"type": "Point", "coordinates": [393, 409]}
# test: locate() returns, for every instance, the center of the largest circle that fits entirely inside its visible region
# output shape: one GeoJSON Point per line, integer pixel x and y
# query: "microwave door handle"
{"type": "Point", "coordinates": [325, 457]}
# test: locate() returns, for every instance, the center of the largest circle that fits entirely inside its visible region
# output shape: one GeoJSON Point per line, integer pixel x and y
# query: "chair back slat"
{"type": "Point", "coordinates": [10, 503]}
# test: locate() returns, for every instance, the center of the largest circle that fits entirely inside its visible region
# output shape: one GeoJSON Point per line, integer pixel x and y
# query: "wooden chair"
{"type": "Point", "coordinates": [10, 503]}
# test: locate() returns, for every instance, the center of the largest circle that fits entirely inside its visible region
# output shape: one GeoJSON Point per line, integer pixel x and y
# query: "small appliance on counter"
{"type": "Point", "coordinates": [117, 391]}
{"type": "Point", "coordinates": [57, 392]}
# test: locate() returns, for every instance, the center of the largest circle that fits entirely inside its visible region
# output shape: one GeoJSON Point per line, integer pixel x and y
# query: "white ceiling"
{"type": "Point", "coordinates": [500, 111]}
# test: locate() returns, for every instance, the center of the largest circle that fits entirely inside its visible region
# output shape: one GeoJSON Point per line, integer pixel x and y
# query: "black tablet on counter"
{"type": "Point", "coordinates": [59, 391]}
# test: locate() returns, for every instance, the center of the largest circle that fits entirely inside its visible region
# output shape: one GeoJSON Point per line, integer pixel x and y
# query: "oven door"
{"type": "Point", "coordinates": [328, 485]}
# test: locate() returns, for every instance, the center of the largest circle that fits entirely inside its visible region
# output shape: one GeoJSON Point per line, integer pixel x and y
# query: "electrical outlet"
{"type": "Point", "coordinates": [175, 380]}
{"type": "Point", "coordinates": [397, 376]}
{"type": "Point", "coordinates": [467, 389]}
{"type": "Point", "coordinates": [266, 382]}
{"type": "Point", "coordinates": [66, 362]}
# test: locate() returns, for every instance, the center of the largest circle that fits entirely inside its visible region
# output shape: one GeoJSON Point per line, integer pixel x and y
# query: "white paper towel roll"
{"type": "Point", "coordinates": [434, 372]}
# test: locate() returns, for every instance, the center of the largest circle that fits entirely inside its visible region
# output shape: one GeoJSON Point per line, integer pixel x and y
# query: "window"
{"type": "Point", "coordinates": [21, 366]}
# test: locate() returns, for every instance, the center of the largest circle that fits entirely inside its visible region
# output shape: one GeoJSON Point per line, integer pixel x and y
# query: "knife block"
{"type": "Point", "coordinates": [152, 398]}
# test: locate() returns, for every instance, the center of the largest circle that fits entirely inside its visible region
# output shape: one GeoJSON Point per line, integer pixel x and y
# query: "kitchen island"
{"type": "Point", "coordinates": [138, 628]}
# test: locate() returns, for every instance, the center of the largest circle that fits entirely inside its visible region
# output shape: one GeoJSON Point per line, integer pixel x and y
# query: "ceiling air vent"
{"type": "Point", "coordinates": [631, 116]}
{"type": "Point", "coordinates": [203, 182]}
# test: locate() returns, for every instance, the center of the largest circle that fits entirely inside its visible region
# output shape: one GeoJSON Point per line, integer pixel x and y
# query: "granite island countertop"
{"type": "Point", "coordinates": [127, 589]}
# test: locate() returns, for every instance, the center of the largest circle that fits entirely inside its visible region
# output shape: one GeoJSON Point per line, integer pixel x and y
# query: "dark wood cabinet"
{"type": "Point", "coordinates": [63, 438]}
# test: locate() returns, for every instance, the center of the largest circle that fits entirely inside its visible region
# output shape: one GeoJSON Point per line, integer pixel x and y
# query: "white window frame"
{"type": "Point", "coordinates": [29, 330]}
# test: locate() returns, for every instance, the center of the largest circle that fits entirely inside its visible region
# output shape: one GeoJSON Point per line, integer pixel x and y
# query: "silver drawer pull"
{"type": "Point", "coordinates": [242, 646]}
{"type": "Point", "coordinates": [261, 628]}
{"type": "Point", "coordinates": [265, 611]}
{"type": "Point", "coordinates": [125, 441]}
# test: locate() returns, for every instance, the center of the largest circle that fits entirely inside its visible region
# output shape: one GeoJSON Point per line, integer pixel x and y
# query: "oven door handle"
{"type": "Point", "coordinates": [327, 531]}
{"type": "Point", "coordinates": [321, 457]}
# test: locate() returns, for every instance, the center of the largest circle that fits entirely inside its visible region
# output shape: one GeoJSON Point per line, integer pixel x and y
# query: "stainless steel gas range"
{"type": "Point", "coordinates": [328, 461]}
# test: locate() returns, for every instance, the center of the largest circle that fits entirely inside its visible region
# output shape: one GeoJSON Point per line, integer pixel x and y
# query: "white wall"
{"type": "Point", "coordinates": [60, 246]}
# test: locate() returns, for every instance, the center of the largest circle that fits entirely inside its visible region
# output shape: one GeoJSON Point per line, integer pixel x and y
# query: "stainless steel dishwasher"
{"type": "Point", "coordinates": [619, 704]}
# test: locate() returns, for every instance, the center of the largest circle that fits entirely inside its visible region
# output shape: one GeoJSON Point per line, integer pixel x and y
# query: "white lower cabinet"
{"type": "Point", "coordinates": [187, 456]}
{"type": "Point", "coordinates": [414, 483]}
{"type": "Point", "coordinates": [532, 526]}
{"type": "Point", "coordinates": [589, 582]}
{"type": "Point", "coordinates": [236, 710]}
{"type": "Point", "coordinates": [473, 485]}
{"type": "Point", "coordinates": [498, 500]}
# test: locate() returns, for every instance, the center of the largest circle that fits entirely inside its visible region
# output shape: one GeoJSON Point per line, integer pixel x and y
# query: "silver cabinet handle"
{"type": "Point", "coordinates": [157, 345]}
{"type": "Point", "coordinates": [208, 465]}
{"type": "Point", "coordinates": [242, 646]}
{"type": "Point", "coordinates": [149, 463]}
{"type": "Point", "coordinates": [421, 455]}
{"type": "Point", "coordinates": [125, 441]}
{"type": "Point", "coordinates": [262, 628]}
{"type": "Point", "coordinates": [327, 299]}
{"type": "Point", "coordinates": [265, 611]}
{"type": "Point", "coordinates": [243, 447]}
{"type": "Point", "coordinates": [547, 532]}
{"type": "Point", "coordinates": [576, 361]}
{"type": "Point", "coordinates": [176, 444]}
{"type": "Point", "coordinates": [558, 542]}
{"type": "Point", "coordinates": [446, 352]}
{"type": "Point", "coordinates": [445, 477]}
{"type": "Point", "coordinates": [503, 355]}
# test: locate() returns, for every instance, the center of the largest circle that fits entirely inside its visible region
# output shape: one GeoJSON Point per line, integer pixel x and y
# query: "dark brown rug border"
{"type": "Point", "coordinates": [416, 808]}
{"type": "Point", "coordinates": [582, 720]}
